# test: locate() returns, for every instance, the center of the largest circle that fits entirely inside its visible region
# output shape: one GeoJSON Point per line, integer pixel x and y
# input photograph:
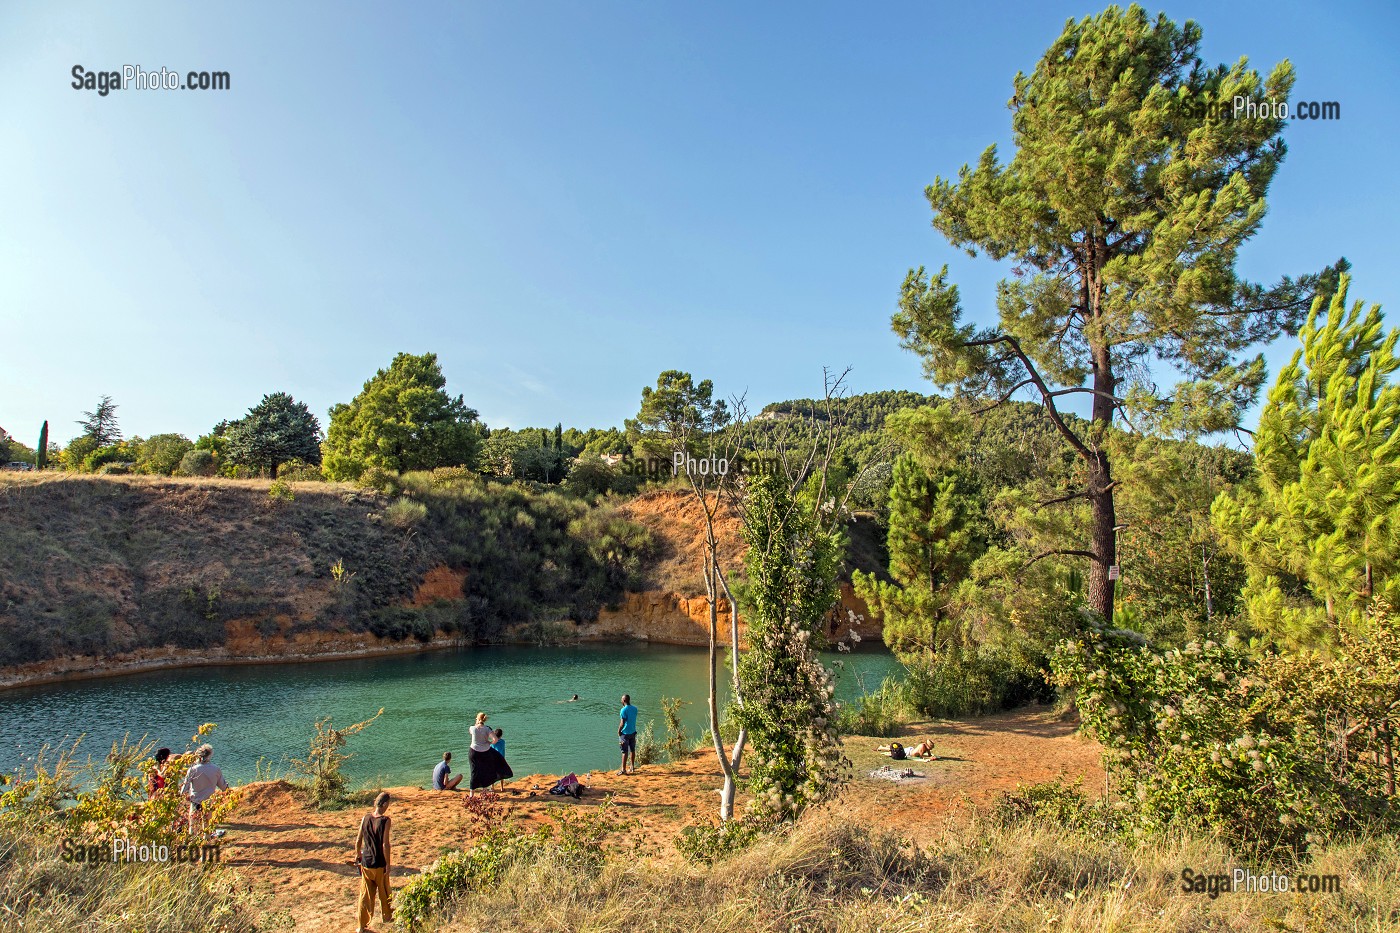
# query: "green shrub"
{"type": "Point", "coordinates": [677, 744]}
{"type": "Point", "coordinates": [1270, 751]}
{"type": "Point", "coordinates": [708, 843]}
{"type": "Point", "coordinates": [403, 514]}
{"type": "Point", "coordinates": [881, 713]}
{"type": "Point", "coordinates": [1054, 803]}
{"type": "Point", "coordinates": [380, 480]}
{"type": "Point", "coordinates": [648, 751]}
{"type": "Point", "coordinates": [280, 491]}
{"type": "Point", "coordinates": [298, 471]}
{"type": "Point", "coordinates": [967, 681]}
{"type": "Point", "coordinates": [197, 463]}
{"type": "Point", "coordinates": [325, 782]}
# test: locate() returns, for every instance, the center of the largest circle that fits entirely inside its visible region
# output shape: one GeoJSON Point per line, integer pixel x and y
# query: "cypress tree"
{"type": "Point", "coordinates": [42, 454]}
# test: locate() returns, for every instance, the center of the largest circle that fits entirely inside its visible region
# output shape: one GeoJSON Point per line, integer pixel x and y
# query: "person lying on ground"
{"type": "Point", "coordinates": [898, 752]}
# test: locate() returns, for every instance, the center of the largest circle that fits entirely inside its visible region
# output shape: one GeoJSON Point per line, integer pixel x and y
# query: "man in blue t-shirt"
{"type": "Point", "coordinates": [627, 733]}
{"type": "Point", "coordinates": [440, 773]}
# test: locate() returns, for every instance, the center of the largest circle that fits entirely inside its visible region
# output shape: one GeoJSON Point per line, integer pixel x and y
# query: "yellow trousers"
{"type": "Point", "coordinates": [374, 881]}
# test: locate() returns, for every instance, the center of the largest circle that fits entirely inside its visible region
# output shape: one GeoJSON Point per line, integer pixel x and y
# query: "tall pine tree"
{"type": "Point", "coordinates": [1123, 210]}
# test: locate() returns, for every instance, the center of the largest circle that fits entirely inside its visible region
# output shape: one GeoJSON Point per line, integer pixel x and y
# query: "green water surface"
{"type": "Point", "coordinates": [429, 700]}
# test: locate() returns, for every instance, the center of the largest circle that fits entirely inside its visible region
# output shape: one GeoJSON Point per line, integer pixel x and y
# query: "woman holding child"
{"type": "Point", "coordinates": [487, 764]}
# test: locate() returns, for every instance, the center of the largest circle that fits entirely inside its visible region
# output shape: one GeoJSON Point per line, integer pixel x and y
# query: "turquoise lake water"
{"type": "Point", "coordinates": [429, 701]}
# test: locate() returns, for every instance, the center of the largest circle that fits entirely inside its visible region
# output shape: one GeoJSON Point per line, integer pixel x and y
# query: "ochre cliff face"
{"type": "Point", "coordinates": [672, 619]}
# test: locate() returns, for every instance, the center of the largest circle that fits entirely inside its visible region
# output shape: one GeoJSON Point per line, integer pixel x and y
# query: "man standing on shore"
{"type": "Point", "coordinates": [627, 733]}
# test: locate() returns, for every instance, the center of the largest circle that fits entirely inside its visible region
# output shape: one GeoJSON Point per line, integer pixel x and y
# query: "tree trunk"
{"type": "Point", "coordinates": [727, 791]}
{"type": "Point", "coordinates": [1102, 532]}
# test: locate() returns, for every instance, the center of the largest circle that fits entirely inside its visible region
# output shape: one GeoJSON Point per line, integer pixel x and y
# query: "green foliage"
{"type": "Point", "coordinates": [936, 531]}
{"type": "Point", "coordinates": [280, 491]}
{"type": "Point", "coordinates": [276, 430]}
{"type": "Point", "coordinates": [1054, 803]}
{"type": "Point", "coordinates": [1179, 579]}
{"type": "Point", "coordinates": [403, 514]}
{"type": "Point", "coordinates": [297, 471]}
{"type": "Point", "coordinates": [708, 843]}
{"type": "Point", "coordinates": [1271, 751]}
{"type": "Point", "coordinates": [573, 841]}
{"type": "Point", "coordinates": [100, 426]}
{"type": "Point", "coordinates": [402, 420]}
{"type": "Point", "coordinates": [324, 760]}
{"type": "Point", "coordinates": [677, 744]}
{"type": "Point", "coordinates": [161, 454]}
{"type": "Point", "coordinates": [969, 680]}
{"type": "Point", "coordinates": [676, 415]}
{"type": "Point", "coordinates": [1320, 535]}
{"type": "Point", "coordinates": [122, 452]}
{"type": "Point", "coordinates": [792, 564]}
{"type": "Point", "coordinates": [648, 751]}
{"type": "Point", "coordinates": [198, 463]}
{"type": "Point", "coordinates": [1122, 210]}
{"type": "Point", "coordinates": [523, 455]}
{"type": "Point", "coordinates": [881, 713]}
{"type": "Point", "coordinates": [42, 451]}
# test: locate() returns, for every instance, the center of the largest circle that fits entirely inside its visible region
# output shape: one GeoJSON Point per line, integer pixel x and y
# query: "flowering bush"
{"type": "Point", "coordinates": [1274, 751]}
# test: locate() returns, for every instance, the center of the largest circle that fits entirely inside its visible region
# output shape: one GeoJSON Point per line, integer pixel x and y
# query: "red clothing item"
{"type": "Point", "coordinates": [157, 782]}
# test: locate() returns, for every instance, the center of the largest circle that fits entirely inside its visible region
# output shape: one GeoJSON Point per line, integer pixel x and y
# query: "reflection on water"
{"type": "Point", "coordinates": [429, 700]}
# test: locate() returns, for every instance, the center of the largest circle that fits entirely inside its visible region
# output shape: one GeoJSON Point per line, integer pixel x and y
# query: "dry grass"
{"type": "Point", "coordinates": [41, 893]}
{"type": "Point", "coordinates": [830, 875]}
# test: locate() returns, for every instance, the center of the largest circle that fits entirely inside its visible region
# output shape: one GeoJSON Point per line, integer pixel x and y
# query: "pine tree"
{"type": "Point", "coordinates": [933, 540]}
{"type": "Point", "coordinates": [100, 426]}
{"type": "Point", "coordinates": [1123, 211]}
{"type": "Point", "coordinates": [275, 431]}
{"type": "Point", "coordinates": [1320, 536]}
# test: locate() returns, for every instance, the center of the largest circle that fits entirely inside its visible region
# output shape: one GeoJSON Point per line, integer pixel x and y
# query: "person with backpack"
{"type": "Point", "coordinates": [373, 856]}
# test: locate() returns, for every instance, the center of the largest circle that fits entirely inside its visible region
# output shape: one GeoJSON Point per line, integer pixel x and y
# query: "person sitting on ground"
{"type": "Point", "coordinates": [201, 782]}
{"type": "Point", "coordinates": [441, 781]}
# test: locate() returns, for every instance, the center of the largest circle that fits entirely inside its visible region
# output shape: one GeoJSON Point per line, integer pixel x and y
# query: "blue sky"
{"type": "Point", "coordinates": [559, 199]}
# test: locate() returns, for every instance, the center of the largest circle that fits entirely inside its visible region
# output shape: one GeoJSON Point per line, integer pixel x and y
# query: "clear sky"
{"type": "Point", "coordinates": [559, 199]}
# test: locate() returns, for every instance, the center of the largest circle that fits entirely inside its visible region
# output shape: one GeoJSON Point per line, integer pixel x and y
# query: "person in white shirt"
{"type": "Point", "coordinates": [488, 765]}
{"type": "Point", "coordinates": [201, 782]}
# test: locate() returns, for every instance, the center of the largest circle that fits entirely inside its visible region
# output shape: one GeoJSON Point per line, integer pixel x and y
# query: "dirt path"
{"type": "Point", "coordinates": [296, 858]}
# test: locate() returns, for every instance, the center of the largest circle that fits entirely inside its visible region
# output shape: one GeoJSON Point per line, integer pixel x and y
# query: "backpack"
{"type": "Point", "coordinates": [897, 751]}
{"type": "Point", "coordinates": [568, 786]}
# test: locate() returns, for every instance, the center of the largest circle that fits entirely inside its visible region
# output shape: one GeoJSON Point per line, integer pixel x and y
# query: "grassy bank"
{"type": "Point", "coordinates": [832, 874]}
